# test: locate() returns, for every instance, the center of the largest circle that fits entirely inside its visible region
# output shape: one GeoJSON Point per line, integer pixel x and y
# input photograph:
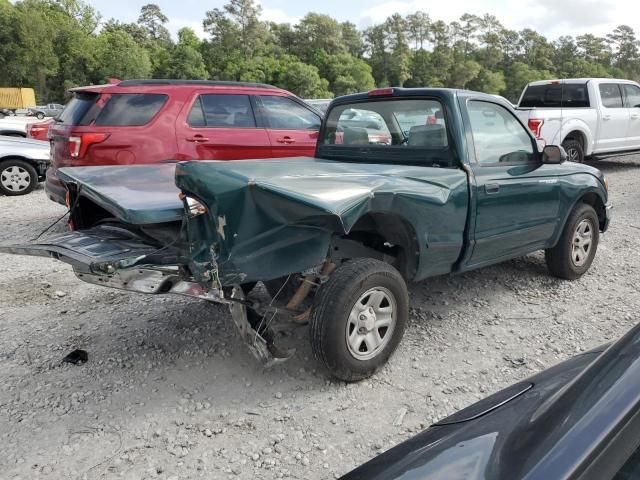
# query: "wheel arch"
{"type": "Point", "coordinates": [389, 234]}
{"type": "Point", "coordinates": [13, 133]}
{"type": "Point", "coordinates": [578, 130]}
{"type": "Point", "coordinates": [598, 204]}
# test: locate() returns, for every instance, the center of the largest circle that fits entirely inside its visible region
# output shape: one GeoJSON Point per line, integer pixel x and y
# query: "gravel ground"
{"type": "Point", "coordinates": [170, 392]}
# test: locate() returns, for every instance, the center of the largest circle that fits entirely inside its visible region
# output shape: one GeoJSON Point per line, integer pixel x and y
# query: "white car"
{"type": "Point", "coordinates": [23, 163]}
{"type": "Point", "coordinates": [16, 126]}
{"type": "Point", "coordinates": [587, 116]}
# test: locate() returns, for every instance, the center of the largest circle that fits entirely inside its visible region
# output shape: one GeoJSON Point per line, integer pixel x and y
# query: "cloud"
{"type": "Point", "coordinates": [552, 18]}
{"type": "Point", "coordinates": [277, 15]}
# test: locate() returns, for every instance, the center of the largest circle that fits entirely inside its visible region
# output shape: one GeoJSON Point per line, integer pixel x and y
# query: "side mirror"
{"type": "Point", "coordinates": [553, 154]}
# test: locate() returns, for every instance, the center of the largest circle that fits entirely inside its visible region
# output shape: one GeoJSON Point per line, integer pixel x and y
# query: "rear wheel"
{"type": "Point", "coordinates": [39, 115]}
{"type": "Point", "coordinates": [17, 177]}
{"type": "Point", "coordinates": [577, 247]}
{"type": "Point", "coordinates": [575, 152]}
{"type": "Point", "coordinates": [358, 318]}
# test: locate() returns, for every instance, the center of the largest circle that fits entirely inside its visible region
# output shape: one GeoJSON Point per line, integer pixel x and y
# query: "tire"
{"type": "Point", "coordinates": [575, 152]}
{"type": "Point", "coordinates": [17, 177]}
{"type": "Point", "coordinates": [570, 259]}
{"type": "Point", "coordinates": [338, 309]}
{"type": "Point", "coordinates": [39, 115]}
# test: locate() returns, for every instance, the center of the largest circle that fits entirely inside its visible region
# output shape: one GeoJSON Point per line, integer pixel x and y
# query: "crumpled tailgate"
{"type": "Point", "coordinates": [100, 249]}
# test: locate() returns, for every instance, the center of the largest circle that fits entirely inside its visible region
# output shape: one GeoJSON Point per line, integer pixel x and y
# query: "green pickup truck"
{"type": "Point", "coordinates": [406, 184]}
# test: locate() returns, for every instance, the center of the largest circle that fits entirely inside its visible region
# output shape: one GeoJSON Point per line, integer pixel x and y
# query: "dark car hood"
{"type": "Point", "coordinates": [522, 438]}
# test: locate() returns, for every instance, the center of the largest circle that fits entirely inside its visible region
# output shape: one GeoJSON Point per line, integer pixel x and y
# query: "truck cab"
{"type": "Point", "coordinates": [588, 116]}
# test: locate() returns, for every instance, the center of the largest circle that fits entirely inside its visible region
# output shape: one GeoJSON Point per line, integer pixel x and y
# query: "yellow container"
{"type": "Point", "coordinates": [14, 98]}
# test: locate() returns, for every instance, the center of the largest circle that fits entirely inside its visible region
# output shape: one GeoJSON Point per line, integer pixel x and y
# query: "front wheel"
{"type": "Point", "coordinates": [39, 115]}
{"type": "Point", "coordinates": [577, 247]}
{"type": "Point", "coordinates": [358, 318]}
{"type": "Point", "coordinates": [17, 177]}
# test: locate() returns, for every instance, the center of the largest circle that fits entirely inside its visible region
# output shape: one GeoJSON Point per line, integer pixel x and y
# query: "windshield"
{"type": "Point", "coordinates": [406, 131]}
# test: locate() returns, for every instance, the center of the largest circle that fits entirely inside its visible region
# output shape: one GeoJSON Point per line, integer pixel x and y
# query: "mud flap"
{"type": "Point", "coordinates": [264, 350]}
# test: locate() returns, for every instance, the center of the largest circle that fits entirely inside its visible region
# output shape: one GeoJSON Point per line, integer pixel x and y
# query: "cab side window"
{"type": "Point", "coordinates": [497, 136]}
{"type": "Point", "coordinates": [611, 95]}
{"type": "Point", "coordinates": [632, 96]}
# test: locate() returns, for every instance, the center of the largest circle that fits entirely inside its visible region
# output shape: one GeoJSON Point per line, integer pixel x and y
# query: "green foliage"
{"type": "Point", "coordinates": [53, 45]}
{"type": "Point", "coordinates": [118, 55]}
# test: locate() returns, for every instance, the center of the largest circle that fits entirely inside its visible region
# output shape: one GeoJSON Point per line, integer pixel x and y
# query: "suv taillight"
{"type": "Point", "coordinates": [78, 144]}
{"type": "Point", "coordinates": [535, 125]}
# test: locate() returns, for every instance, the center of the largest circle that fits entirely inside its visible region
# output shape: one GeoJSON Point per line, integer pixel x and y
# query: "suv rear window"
{"type": "Point", "coordinates": [568, 95]}
{"type": "Point", "coordinates": [130, 109]}
{"type": "Point", "coordinates": [78, 110]}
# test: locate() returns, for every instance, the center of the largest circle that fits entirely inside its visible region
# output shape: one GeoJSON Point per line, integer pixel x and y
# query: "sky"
{"type": "Point", "coordinates": [551, 18]}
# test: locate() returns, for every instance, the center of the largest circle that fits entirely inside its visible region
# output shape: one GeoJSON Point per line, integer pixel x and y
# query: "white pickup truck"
{"type": "Point", "coordinates": [587, 116]}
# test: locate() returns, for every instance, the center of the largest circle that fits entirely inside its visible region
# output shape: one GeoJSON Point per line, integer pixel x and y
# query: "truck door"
{"type": "Point", "coordinates": [517, 197]}
{"type": "Point", "coordinates": [614, 119]}
{"type": "Point", "coordinates": [632, 104]}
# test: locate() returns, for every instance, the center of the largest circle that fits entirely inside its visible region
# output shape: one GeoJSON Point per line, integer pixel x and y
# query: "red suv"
{"type": "Point", "coordinates": [150, 121]}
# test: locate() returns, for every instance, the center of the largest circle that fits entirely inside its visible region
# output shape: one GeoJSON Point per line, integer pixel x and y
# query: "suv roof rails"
{"type": "Point", "coordinates": [223, 83]}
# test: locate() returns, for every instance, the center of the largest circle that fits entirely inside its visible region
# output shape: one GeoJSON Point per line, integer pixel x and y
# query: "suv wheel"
{"type": "Point", "coordinates": [358, 318]}
{"type": "Point", "coordinates": [577, 247]}
{"type": "Point", "coordinates": [17, 177]}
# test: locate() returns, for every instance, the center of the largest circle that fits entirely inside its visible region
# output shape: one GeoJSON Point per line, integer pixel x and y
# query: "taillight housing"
{"type": "Point", "coordinates": [78, 144]}
{"type": "Point", "coordinates": [39, 131]}
{"type": "Point", "coordinates": [535, 125]}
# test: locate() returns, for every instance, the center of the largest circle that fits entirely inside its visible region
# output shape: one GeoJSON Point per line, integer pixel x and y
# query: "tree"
{"type": "Point", "coordinates": [304, 81]}
{"type": "Point", "coordinates": [418, 24]}
{"type": "Point", "coordinates": [625, 49]}
{"type": "Point", "coordinates": [396, 29]}
{"type": "Point", "coordinates": [153, 20]}
{"type": "Point", "coordinates": [185, 60]}
{"type": "Point", "coordinates": [118, 55]}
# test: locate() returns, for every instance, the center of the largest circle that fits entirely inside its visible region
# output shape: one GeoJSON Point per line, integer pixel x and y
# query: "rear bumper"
{"type": "Point", "coordinates": [153, 280]}
{"type": "Point", "coordinates": [608, 215]}
{"type": "Point", "coordinates": [54, 188]}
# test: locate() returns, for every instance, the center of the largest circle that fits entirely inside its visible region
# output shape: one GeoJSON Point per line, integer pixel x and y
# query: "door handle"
{"type": "Point", "coordinates": [286, 140]}
{"type": "Point", "coordinates": [606, 117]}
{"type": "Point", "coordinates": [197, 139]}
{"type": "Point", "coordinates": [490, 188]}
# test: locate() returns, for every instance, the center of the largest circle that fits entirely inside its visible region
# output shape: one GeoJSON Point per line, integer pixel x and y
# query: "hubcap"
{"type": "Point", "coordinates": [573, 155]}
{"type": "Point", "coordinates": [581, 246]}
{"type": "Point", "coordinates": [371, 323]}
{"type": "Point", "coordinates": [15, 179]}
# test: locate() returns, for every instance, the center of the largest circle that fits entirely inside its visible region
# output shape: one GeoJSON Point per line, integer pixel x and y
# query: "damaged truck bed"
{"type": "Point", "coordinates": [335, 238]}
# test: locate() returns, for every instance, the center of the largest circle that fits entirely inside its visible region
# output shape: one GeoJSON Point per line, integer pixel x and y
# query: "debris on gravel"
{"type": "Point", "coordinates": [170, 392]}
